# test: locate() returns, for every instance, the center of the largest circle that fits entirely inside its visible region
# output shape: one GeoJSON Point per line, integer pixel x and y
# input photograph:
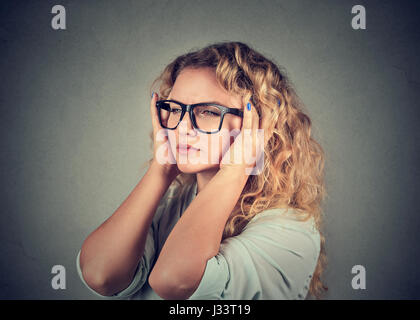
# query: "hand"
{"type": "Point", "coordinates": [246, 153]}
{"type": "Point", "coordinates": [169, 168]}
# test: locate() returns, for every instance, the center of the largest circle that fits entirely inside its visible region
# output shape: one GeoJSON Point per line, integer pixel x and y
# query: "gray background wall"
{"type": "Point", "coordinates": [74, 124]}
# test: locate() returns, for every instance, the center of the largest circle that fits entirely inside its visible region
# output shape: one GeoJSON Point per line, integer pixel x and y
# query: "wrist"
{"type": "Point", "coordinates": [238, 174]}
{"type": "Point", "coordinates": [162, 171]}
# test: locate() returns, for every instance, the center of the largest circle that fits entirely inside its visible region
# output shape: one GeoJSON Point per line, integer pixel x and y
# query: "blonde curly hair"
{"type": "Point", "coordinates": [292, 176]}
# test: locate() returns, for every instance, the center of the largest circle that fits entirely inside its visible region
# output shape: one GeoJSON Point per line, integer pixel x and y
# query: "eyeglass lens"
{"type": "Point", "coordinates": [207, 118]}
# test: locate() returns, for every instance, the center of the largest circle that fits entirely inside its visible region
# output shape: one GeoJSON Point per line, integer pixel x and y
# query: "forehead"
{"type": "Point", "coordinates": [200, 85]}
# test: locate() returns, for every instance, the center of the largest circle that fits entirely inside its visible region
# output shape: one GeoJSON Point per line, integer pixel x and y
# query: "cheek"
{"type": "Point", "coordinates": [232, 122]}
{"type": "Point", "coordinates": [220, 143]}
{"type": "Point", "coordinates": [172, 139]}
{"type": "Point", "coordinates": [232, 127]}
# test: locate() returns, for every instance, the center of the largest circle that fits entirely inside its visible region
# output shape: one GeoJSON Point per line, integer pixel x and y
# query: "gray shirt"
{"type": "Point", "coordinates": [274, 256]}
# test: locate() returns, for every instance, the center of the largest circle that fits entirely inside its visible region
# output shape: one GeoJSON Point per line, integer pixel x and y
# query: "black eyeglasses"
{"type": "Point", "coordinates": [205, 117]}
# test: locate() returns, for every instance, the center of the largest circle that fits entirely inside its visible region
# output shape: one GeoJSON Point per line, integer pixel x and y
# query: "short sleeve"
{"type": "Point", "coordinates": [273, 258]}
{"type": "Point", "coordinates": [140, 275]}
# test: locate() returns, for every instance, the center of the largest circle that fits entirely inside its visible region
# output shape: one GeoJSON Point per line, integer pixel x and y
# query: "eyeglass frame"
{"type": "Point", "coordinates": [190, 108]}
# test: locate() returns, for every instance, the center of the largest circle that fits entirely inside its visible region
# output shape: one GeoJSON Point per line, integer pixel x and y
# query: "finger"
{"type": "Point", "coordinates": [255, 118]}
{"type": "Point", "coordinates": [264, 124]}
{"type": "Point", "coordinates": [247, 117]}
{"type": "Point", "coordinates": [153, 110]}
{"type": "Point", "coordinates": [247, 131]}
{"type": "Point", "coordinates": [255, 135]}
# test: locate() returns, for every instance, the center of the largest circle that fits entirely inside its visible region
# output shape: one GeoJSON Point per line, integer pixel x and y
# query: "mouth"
{"type": "Point", "coordinates": [185, 148]}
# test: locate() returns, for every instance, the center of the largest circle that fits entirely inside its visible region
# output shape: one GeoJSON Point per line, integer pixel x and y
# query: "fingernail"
{"type": "Point", "coordinates": [248, 106]}
{"type": "Point", "coordinates": [153, 93]}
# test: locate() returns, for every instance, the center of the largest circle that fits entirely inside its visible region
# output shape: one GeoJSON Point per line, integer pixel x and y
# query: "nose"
{"type": "Point", "coordinates": [186, 126]}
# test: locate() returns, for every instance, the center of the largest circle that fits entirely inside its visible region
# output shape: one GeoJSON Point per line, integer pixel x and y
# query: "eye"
{"type": "Point", "coordinates": [207, 111]}
{"type": "Point", "coordinates": [210, 113]}
{"type": "Point", "coordinates": [176, 110]}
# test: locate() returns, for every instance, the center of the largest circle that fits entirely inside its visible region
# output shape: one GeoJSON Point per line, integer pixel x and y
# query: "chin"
{"type": "Point", "coordinates": [196, 168]}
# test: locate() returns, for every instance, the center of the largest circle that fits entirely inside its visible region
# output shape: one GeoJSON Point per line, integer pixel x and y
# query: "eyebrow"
{"type": "Point", "coordinates": [215, 102]}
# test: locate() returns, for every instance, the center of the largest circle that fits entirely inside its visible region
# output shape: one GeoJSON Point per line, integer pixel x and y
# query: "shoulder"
{"type": "Point", "coordinates": [284, 226]}
{"type": "Point", "coordinates": [273, 257]}
{"type": "Point", "coordinates": [271, 244]}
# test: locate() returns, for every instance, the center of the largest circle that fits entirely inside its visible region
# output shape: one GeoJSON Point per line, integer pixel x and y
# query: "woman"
{"type": "Point", "coordinates": [214, 218]}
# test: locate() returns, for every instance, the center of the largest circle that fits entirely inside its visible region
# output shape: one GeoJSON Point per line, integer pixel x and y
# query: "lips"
{"type": "Point", "coordinates": [185, 147]}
